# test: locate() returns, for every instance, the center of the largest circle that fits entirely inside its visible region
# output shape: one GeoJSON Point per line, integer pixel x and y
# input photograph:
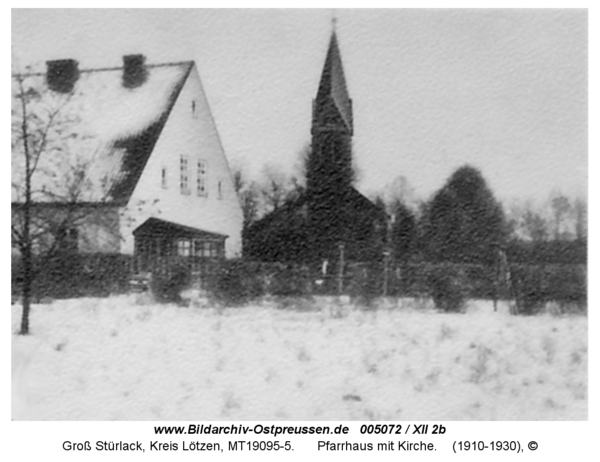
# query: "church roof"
{"type": "Point", "coordinates": [106, 127]}
{"type": "Point", "coordinates": [294, 211]}
{"type": "Point", "coordinates": [333, 83]}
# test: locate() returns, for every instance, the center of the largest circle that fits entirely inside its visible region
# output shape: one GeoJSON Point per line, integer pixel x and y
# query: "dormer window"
{"type": "Point", "coordinates": [184, 176]}
{"type": "Point", "coordinates": [201, 178]}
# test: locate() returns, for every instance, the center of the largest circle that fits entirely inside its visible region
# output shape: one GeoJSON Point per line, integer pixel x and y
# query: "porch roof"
{"type": "Point", "coordinates": [155, 227]}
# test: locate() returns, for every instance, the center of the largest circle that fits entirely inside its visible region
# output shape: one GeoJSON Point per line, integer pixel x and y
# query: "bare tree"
{"type": "Point", "coordinates": [580, 211]}
{"type": "Point", "coordinates": [249, 196]}
{"type": "Point", "coordinates": [558, 218]}
{"type": "Point", "coordinates": [527, 221]}
{"type": "Point", "coordinates": [46, 168]}
{"type": "Point", "coordinates": [561, 207]}
{"type": "Point", "coordinates": [400, 190]}
{"type": "Point", "coordinates": [273, 187]}
{"type": "Point", "coordinates": [535, 226]}
{"type": "Point", "coordinates": [276, 188]}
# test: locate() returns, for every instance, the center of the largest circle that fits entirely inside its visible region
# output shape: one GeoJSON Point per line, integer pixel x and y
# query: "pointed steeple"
{"type": "Point", "coordinates": [332, 88]}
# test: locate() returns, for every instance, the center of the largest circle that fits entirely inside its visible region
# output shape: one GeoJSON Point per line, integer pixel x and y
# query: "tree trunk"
{"type": "Point", "coordinates": [26, 292]}
{"type": "Point", "coordinates": [26, 238]}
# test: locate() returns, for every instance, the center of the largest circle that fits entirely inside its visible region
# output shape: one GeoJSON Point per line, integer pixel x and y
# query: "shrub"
{"type": "Point", "coordinates": [238, 282]}
{"type": "Point", "coordinates": [447, 288]}
{"type": "Point", "coordinates": [529, 290]}
{"type": "Point", "coordinates": [290, 281]}
{"type": "Point", "coordinates": [167, 286]}
{"type": "Point", "coordinates": [364, 282]}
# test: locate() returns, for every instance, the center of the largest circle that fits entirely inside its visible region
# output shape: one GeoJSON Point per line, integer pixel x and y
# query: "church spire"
{"type": "Point", "coordinates": [329, 169]}
{"type": "Point", "coordinates": [332, 87]}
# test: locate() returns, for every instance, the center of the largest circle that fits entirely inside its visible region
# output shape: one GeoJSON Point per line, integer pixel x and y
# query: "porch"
{"type": "Point", "coordinates": [160, 244]}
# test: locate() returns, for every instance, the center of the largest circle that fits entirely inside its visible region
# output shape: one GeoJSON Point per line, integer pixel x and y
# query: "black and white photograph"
{"type": "Point", "coordinates": [299, 215]}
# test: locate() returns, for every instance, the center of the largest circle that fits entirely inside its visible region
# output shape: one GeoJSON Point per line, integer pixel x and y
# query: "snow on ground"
{"type": "Point", "coordinates": [120, 359]}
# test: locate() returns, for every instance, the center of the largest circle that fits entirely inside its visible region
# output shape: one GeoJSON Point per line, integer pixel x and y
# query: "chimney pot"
{"type": "Point", "coordinates": [62, 74]}
{"type": "Point", "coordinates": [134, 70]}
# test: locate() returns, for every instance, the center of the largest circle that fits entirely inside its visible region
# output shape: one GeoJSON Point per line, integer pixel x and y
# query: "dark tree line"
{"type": "Point", "coordinates": [461, 223]}
{"type": "Point", "coordinates": [464, 223]}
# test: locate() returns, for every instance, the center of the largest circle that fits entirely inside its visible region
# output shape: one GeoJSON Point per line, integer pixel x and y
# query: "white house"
{"type": "Point", "coordinates": [137, 149]}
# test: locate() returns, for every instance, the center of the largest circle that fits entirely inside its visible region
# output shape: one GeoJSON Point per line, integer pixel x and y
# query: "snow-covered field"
{"type": "Point", "coordinates": [121, 359]}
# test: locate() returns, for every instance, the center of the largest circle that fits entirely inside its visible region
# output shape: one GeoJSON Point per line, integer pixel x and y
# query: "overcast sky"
{"type": "Point", "coordinates": [503, 90]}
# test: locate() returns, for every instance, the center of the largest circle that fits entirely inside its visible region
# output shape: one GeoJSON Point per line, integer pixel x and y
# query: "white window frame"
{"type": "Point", "coordinates": [206, 248]}
{"type": "Point", "coordinates": [184, 247]}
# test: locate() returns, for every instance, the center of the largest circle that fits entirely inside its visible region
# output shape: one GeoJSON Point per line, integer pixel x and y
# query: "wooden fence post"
{"type": "Point", "coordinates": [341, 270]}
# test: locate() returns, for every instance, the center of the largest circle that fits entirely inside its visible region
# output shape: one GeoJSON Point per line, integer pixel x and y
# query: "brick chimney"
{"type": "Point", "coordinates": [61, 75]}
{"type": "Point", "coordinates": [134, 70]}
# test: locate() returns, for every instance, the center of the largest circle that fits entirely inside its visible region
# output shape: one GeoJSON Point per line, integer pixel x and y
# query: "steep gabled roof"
{"type": "Point", "coordinates": [361, 204]}
{"type": "Point", "coordinates": [295, 211]}
{"type": "Point", "coordinates": [109, 128]}
{"type": "Point", "coordinates": [332, 86]}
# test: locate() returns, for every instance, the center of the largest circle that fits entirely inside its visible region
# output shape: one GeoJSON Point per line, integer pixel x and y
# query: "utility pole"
{"type": "Point", "coordinates": [386, 270]}
{"type": "Point", "coordinates": [341, 269]}
{"type": "Point", "coordinates": [387, 253]}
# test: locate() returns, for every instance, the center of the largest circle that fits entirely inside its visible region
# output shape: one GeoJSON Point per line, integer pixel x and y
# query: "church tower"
{"type": "Point", "coordinates": [329, 168]}
{"type": "Point", "coordinates": [331, 214]}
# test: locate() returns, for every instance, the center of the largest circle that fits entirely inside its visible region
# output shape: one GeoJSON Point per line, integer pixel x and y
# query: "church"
{"type": "Point", "coordinates": [331, 216]}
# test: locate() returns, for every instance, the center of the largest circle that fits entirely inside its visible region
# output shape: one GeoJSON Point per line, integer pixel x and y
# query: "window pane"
{"type": "Point", "coordinates": [184, 175]}
{"type": "Point", "coordinates": [201, 178]}
{"type": "Point", "coordinates": [183, 248]}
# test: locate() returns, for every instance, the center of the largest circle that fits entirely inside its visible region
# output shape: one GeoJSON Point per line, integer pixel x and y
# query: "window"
{"type": "Point", "coordinates": [208, 249]}
{"type": "Point", "coordinates": [183, 247]}
{"type": "Point", "coordinates": [201, 179]}
{"type": "Point", "coordinates": [194, 113]}
{"type": "Point", "coordinates": [220, 190]}
{"type": "Point", "coordinates": [163, 177]}
{"type": "Point", "coordinates": [184, 178]}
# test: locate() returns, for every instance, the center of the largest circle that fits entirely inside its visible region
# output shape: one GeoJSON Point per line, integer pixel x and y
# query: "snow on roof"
{"type": "Point", "coordinates": [103, 131]}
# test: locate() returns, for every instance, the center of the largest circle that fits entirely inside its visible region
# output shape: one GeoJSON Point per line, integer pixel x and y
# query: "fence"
{"type": "Point", "coordinates": [530, 284]}
{"type": "Point", "coordinates": [544, 282]}
{"type": "Point", "coordinates": [99, 275]}
{"type": "Point", "coordinates": [66, 276]}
